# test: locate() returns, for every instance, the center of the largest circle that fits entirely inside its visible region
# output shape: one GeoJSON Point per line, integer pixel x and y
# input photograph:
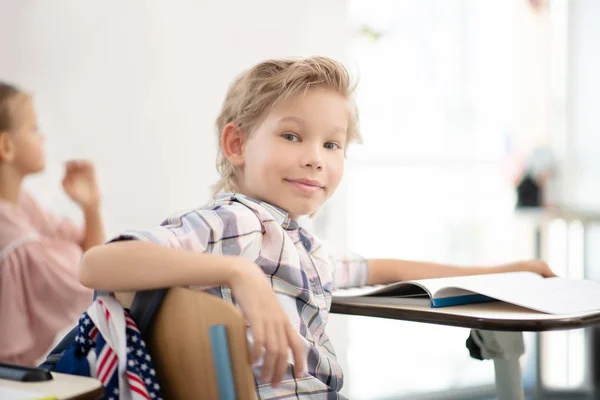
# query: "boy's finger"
{"type": "Point", "coordinates": [258, 333]}
{"type": "Point", "coordinates": [297, 350]}
{"type": "Point", "coordinates": [281, 364]}
{"type": "Point", "coordinates": [270, 358]}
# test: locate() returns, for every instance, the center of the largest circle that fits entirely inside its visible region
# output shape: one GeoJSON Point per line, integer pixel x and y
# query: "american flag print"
{"type": "Point", "coordinates": [104, 349]}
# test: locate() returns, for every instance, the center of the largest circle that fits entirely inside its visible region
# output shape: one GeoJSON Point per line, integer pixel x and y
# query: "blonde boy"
{"type": "Point", "coordinates": [283, 130]}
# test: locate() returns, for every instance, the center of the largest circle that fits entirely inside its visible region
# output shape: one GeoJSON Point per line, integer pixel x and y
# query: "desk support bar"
{"type": "Point", "coordinates": [508, 379]}
{"type": "Point", "coordinates": [505, 348]}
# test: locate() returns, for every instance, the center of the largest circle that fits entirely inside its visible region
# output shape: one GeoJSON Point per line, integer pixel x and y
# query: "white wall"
{"type": "Point", "coordinates": [135, 86]}
{"type": "Point", "coordinates": [582, 174]}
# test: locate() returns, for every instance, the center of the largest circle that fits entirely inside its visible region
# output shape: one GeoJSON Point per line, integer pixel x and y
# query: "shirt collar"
{"type": "Point", "coordinates": [263, 209]}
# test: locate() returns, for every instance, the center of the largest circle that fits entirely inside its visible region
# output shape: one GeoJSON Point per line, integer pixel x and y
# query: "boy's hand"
{"type": "Point", "coordinates": [270, 325]}
{"type": "Point", "coordinates": [80, 184]}
{"type": "Point", "coordinates": [538, 266]}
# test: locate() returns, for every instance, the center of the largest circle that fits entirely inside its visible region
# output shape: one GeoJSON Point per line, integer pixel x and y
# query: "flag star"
{"type": "Point", "coordinates": [129, 349]}
{"type": "Point", "coordinates": [148, 381]}
{"type": "Point", "coordinates": [111, 398]}
{"type": "Point", "coordinates": [156, 386]}
{"type": "Point", "coordinates": [86, 322]}
{"type": "Point", "coordinates": [147, 357]}
{"type": "Point", "coordinates": [142, 343]}
{"type": "Point", "coordinates": [134, 339]}
{"type": "Point", "coordinates": [139, 352]}
{"type": "Point", "coordinates": [116, 391]}
{"type": "Point", "coordinates": [81, 329]}
{"type": "Point", "coordinates": [144, 367]}
{"type": "Point", "coordinates": [131, 363]}
{"type": "Point", "coordinates": [152, 395]}
{"type": "Point", "coordinates": [152, 372]}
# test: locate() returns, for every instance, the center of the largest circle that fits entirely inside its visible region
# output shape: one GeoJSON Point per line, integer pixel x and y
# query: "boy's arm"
{"type": "Point", "coordinates": [137, 265]}
{"type": "Point", "coordinates": [390, 270]}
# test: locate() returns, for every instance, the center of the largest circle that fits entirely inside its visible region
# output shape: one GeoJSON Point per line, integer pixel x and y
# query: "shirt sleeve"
{"type": "Point", "coordinates": [49, 224]}
{"type": "Point", "coordinates": [350, 270]}
{"type": "Point", "coordinates": [40, 295]}
{"type": "Point", "coordinates": [232, 230]}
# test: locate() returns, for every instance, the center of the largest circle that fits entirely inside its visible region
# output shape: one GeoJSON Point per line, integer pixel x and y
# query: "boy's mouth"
{"type": "Point", "coordinates": [305, 185]}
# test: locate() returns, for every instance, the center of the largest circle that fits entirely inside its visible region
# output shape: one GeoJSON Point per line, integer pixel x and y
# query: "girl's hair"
{"type": "Point", "coordinates": [263, 86]}
{"type": "Point", "coordinates": [8, 106]}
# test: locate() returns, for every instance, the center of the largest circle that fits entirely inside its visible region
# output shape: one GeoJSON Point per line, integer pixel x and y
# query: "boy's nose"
{"type": "Point", "coordinates": [314, 160]}
{"type": "Point", "coordinates": [314, 165]}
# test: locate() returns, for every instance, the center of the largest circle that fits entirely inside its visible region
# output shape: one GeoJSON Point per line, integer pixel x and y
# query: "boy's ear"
{"type": "Point", "coordinates": [7, 148]}
{"type": "Point", "coordinates": [232, 143]}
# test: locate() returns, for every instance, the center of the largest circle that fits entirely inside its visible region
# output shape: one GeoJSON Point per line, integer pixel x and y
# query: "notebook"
{"type": "Point", "coordinates": [525, 289]}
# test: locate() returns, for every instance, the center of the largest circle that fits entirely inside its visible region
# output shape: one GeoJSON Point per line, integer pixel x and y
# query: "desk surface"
{"type": "Point", "coordinates": [563, 212]}
{"type": "Point", "coordinates": [497, 316]}
{"type": "Point", "coordinates": [61, 387]}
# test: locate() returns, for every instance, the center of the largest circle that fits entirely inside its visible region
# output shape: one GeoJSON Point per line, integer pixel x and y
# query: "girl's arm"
{"type": "Point", "coordinates": [93, 234]}
{"type": "Point", "coordinates": [81, 186]}
{"type": "Point", "coordinates": [389, 270]}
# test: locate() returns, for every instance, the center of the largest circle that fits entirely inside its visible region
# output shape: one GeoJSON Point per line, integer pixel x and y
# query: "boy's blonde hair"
{"type": "Point", "coordinates": [260, 88]}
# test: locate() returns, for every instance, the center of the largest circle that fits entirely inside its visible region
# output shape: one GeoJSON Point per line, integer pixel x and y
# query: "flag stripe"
{"type": "Point", "coordinates": [136, 384]}
{"type": "Point", "coordinates": [140, 392]}
{"type": "Point", "coordinates": [135, 378]}
{"type": "Point", "coordinates": [107, 374]}
{"type": "Point", "coordinates": [103, 357]}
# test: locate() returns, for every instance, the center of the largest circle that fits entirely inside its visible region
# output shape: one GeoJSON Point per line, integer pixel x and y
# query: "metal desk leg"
{"type": "Point", "coordinates": [508, 379]}
{"type": "Point", "coordinates": [505, 348]}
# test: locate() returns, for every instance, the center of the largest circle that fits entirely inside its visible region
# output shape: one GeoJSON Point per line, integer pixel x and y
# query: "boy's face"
{"type": "Point", "coordinates": [294, 159]}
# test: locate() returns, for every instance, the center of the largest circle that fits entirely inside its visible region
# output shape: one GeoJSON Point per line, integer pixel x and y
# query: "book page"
{"type": "Point", "coordinates": [550, 295]}
{"type": "Point", "coordinates": [451, 286]}
{"type": "Point", "coordinates": [464, 285]}
{"type": "Point", "coordinates": [460, 285]}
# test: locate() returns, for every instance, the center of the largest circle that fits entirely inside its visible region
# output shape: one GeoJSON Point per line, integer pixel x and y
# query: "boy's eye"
{"type": "Point", "coordinates": [332, 146]}
{"type": "Point", "coordinates": [291, 137]}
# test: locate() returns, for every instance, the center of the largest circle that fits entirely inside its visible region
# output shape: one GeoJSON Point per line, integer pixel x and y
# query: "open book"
{"type": "Point", "coordinates": [525, 289]}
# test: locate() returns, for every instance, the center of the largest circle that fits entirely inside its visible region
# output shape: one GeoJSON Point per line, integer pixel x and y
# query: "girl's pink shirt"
{"type": "Point", "coordinates": [40, 293]}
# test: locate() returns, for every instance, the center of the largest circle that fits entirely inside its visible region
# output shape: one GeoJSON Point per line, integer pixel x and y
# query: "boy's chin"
{"type": "Point", "coordinates": [301, 210]}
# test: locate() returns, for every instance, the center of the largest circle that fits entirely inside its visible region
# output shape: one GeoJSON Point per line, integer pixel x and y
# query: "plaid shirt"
{"type": "Point", "coordinates": [302, 271]}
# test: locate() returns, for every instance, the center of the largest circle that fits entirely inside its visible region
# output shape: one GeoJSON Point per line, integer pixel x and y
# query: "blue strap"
{"type": "Point", "coordinates": [144, 307]}
{"type": "Point", "coordinates": [57, 352]}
